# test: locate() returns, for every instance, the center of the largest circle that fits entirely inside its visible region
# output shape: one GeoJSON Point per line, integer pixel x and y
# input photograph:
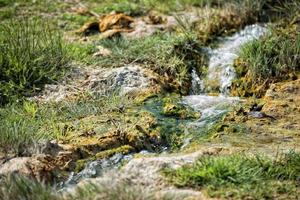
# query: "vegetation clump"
{"type": "Point", "coordinates": [239, 176]}
{"type": "Point", "coordinates": [271, 59]}
{"type": "Point", "coordinates": [31, 54]}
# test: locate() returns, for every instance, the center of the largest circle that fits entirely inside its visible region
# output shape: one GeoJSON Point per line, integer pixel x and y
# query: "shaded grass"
{"type": "Point", "coordinates": [20, 188]}
{"type": "Point", "coordinates": [31, 54]}
{"type": "Point", "coordinates": [242, 177]}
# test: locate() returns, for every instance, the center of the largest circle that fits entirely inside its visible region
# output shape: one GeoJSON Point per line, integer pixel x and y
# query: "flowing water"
{"type": "Point", "coordinates": [220, 71]}
{"type": "Point", "coordinates": [221, 59]}
{"type": "Point", "coordinates": [212, 108]}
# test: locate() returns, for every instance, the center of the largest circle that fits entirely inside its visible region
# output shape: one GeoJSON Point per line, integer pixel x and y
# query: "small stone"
{"type": "Point", "coordinates": [102, 52]}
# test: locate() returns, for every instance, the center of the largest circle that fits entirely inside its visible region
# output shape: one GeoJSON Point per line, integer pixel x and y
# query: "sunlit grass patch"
{"type": "Point", "coordinates": [32, 53]}
{"type": "Point", "coordinates": [241, 176]}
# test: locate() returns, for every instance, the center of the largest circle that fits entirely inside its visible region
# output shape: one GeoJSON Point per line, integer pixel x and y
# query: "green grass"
{"type": "Point", "coordinates": [32, 54]}
{"type": "Point", "coordinates": [82, 53]}
{"type": "Point", "coordinates": [274, 57]}
{"type": "Point", "coordinates": [240, 176]}
{"type": "Point", "coordinates": [19, 188]}
{"type": "Point", "coordinates": [25, 124]}
{"type": "Point", "coordinates": [169, 54]}
{"type": "Point", "coordinates": [271, 59]}
{"type": "Point", "coordinates": [166, 54]}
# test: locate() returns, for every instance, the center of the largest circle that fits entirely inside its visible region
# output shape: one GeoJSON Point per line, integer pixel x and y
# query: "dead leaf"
{"type": "Point", "coordinates": [113, 32]}
{"type": "Point", "coordinates": [115, 21]}
{"type": "Point", "coordinates": [109, 25]}
{"type": "Point", "coordinates": [89, 27]}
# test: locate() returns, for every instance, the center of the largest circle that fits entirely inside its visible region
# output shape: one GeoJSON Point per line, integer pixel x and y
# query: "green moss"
{"type": "Point", "coordinates": [177, 110]}
{"type": "Point", "coordinates": [126, 149]}
{"type": "Point", "coordinates": [80, 164]}
{"type": "Point", "coordinates": [173, 108]}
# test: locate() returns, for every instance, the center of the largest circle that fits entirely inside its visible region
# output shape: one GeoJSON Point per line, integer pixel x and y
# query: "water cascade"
{"type": "Point", "coordinates": [221, 59]}
{"type": "Point", "coordinates": [221, 72]}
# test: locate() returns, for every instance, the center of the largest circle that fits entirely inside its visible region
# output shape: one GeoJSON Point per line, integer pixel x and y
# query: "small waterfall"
{"type": "Point", "coordinates": [221, 73]}
{"type": "Point", "coordinates": [221, 59]}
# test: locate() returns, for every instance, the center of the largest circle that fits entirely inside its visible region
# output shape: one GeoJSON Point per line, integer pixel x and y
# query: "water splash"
{"type": "Point", "coordinates": [212, 108]}
{"type": "Point", "coordinates": [197, 84]}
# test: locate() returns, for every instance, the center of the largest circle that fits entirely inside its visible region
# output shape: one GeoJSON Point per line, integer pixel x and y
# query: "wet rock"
{"type": "Point", "coordinates": [260, 115]}
{"type": "Point", "coordinates": [46, 147]}
{"type": "Point", "coordinates": [128, 80]}
{"type": "Point", "coordinates": [96, 168]}
{"type": "Point", "coordinates": [146, 172]}
{"type": "Point", "coordinates": [256, 107]}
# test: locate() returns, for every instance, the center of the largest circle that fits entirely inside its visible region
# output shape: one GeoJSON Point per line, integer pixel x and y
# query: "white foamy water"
{"type": "Point", "coordinates": [209, 106]}
{"type": "Point", "coordinates": [197, 84]}
{"type": "Point", "coordinates": [221, 59]}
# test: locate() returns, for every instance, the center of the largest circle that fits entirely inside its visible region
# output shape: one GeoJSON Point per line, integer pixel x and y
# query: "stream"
{"type": "Point", "coordinates": [212, 108]}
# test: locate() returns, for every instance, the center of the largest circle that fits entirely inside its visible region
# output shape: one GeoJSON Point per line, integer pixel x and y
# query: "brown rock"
{"type": "Point", "coordinates": [39, 167]}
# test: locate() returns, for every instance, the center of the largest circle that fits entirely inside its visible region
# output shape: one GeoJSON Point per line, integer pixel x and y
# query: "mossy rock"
{"type": "Point", "coordinates": [80, 164]}
{"type": "Point", "coordinates": [126, 149]}
{"type": "Point", "coordinates": [171, 109]}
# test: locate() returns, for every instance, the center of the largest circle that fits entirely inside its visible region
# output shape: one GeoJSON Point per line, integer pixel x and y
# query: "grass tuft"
{"type": "Point", "coordinates": [18, 188]}
{"type": "Point", "coordinates": [275, 56]}
{"type": "Point", "coordinates": [31, 54]}
{"type": "Point", "coordinates": [271, 59]}
{"type": "Point", "coordinates": [240, 176]}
